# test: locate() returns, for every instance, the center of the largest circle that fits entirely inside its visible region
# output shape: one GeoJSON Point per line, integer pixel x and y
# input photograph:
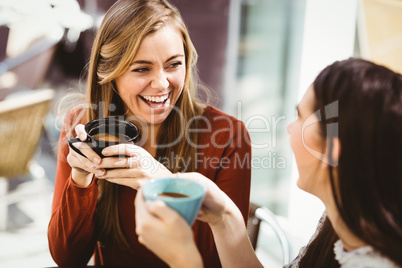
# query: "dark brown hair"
{"type": "Point", "coordinates": [368, 186]}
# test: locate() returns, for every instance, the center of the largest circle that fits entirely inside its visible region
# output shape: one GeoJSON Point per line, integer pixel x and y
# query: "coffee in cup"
{"type": "Point", "coordinates": [172, 194]}
{"type": "Point", "coordinates": [110, 138]}
{"type": "Point", "coordinates": [105, 132]}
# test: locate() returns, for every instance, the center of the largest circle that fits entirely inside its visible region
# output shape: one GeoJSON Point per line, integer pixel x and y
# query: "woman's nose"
{"type": "Point", "coordinates": [160, 81]}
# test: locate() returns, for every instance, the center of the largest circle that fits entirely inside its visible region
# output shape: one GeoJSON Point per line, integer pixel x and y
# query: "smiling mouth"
{"type": "Point", "coordinates": [155, 101]}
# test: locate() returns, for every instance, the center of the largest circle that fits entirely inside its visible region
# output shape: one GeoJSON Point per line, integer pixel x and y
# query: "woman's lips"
{"type": "Point", "coordinates": [156, 101]}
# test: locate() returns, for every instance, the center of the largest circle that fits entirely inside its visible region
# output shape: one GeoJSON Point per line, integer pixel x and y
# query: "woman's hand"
{"type": "Point", "coordinates": [83, 168]}
{"type": "Point", "coordinates": [133, 170]}
{"type": "Point", "coordinates": [216, 203]}
{"type": "Point", "coordinates": [166, 233]}
{"type": "Point", "coordinates": [227, 225]}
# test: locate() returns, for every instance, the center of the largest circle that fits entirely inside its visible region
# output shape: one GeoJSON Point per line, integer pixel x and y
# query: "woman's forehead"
{"type": "Point", "coordinates": [307, 102]}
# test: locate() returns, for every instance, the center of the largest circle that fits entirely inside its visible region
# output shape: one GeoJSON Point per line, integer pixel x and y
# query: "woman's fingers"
{"type": "Point", "coordinates": [158, 210]}
{"type": "Point", "coordinates": [83, 147]}
{"type": "Point", "coordinates": [126, 173]}
{"type": "Point", "coordinates": [120, 162]}
{"type": "Point", "coordinates": [133, 170]}
{"type": "Point", "coordinates": [142, 215]}
{"type": "Point", "coordinates": [162, 211]}
{"type": "Point", "coordinates": [87, 151]}
{"type": "Point", "coordinates": [138, 163]}
{"type": "Point", "coordinates": [124, 149]}
{"type": "Point", "coordinates": [139, 201]}
{"type": "Point", "coordinates": [84, 164]}
{"type": "Point", "coordinates": [165, 232]}
{"type": "Point", "coordinates": [215, 200]}
{"type": "Point", "coordinates": [133, 178]}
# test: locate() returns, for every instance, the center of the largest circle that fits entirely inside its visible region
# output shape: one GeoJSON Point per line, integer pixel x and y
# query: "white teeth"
{"type": "Point", "coordinates": [157, 98]}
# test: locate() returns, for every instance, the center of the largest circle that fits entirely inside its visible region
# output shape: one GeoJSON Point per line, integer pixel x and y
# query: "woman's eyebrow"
{"type": "Point", "coordinates": [149, 62]}
{"type": "Point", "coordinates": [141, 62]}
{"type": "Point", "coordinates": [174, 56]}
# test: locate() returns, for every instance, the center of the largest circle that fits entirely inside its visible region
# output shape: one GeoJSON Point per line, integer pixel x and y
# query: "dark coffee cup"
{"type": "Point", "coordinates": [105, 132]}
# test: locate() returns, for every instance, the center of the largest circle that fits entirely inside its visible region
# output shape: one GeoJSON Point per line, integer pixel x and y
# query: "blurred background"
{"type": "Point", "coordinates": [258, 56]}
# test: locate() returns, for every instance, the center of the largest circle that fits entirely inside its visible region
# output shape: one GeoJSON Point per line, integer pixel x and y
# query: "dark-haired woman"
{"type": "Point", "coordinates": [347, 141]}
{"type": "Point", "coordinates": [141, 68]}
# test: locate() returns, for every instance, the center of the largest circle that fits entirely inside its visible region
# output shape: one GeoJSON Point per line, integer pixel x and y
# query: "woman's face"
{"type": "Point", "coordinates": [308, 146]}
{"type": "Point", "coordinates": [154, 81]}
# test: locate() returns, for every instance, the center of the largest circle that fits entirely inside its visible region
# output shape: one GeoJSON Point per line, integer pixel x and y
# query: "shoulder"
{"type": "Point", "coordinates": [76, 115]}
{"type": "Point", "coordinates": [221, 130]}
{"type": "Point", "coordinates": [213, 112]}
{"type": "Point", "coordinates": [302, 251]}
{"type": "Point", "coordinates": [219, 119]}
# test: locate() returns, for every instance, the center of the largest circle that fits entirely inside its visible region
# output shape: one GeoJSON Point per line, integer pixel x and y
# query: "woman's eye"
{"type": "Point", "coordinates": [140, 70]}
{"type": "Point", "coordinates": [175, 64]}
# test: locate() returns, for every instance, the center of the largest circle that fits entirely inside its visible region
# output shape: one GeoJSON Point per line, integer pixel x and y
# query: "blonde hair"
{"type": "Point", "coordinates": [123, 28]}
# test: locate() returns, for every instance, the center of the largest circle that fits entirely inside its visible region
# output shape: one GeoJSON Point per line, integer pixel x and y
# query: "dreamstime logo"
{"type": "Point", "coordinates": [330, 119]}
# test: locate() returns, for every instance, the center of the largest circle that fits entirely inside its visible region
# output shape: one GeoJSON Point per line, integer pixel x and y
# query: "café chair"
{"type": "Point", "coordinates": [21, 126]}
{"type": "Point", "coordinates": [258, 215]}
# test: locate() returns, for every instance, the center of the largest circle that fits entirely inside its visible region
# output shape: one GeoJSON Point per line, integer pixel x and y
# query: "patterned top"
{"type": "Point", "coordinates": [363, 257]}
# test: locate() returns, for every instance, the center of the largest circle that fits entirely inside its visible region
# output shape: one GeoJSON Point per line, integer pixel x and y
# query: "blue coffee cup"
{"type": "Point", "coordinates": [183, 195]}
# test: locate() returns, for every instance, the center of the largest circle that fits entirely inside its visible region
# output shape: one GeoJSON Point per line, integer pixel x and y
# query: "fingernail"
{"type": "Point", "coordinates": [82, 137]}
{"type": "Point", "coordinates": [100, 173]}
{"type": "Point", "coordinates": [97, 160]}
{"type": "Point", "coordinates": [105, 151]}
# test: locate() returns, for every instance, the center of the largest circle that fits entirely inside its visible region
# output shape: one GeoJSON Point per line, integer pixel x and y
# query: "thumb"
{"type": "Point", "coordinates": [195, 176]}
{"type": "Point", "coordinates": [80, 131]}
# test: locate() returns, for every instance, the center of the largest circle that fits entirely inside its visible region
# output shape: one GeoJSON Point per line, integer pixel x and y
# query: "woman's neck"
{"type": "Point", "coordinates": [151, 141]}
{"type": "Point", "coordinates": [349, 240]}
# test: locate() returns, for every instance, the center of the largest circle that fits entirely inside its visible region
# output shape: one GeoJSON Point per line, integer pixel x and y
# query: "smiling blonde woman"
{"type": "Point", "coordinates": [141, 68]}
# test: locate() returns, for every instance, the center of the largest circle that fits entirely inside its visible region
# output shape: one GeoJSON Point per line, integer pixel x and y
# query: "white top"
{"type": "Point", "coordinates": [363, 257]}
